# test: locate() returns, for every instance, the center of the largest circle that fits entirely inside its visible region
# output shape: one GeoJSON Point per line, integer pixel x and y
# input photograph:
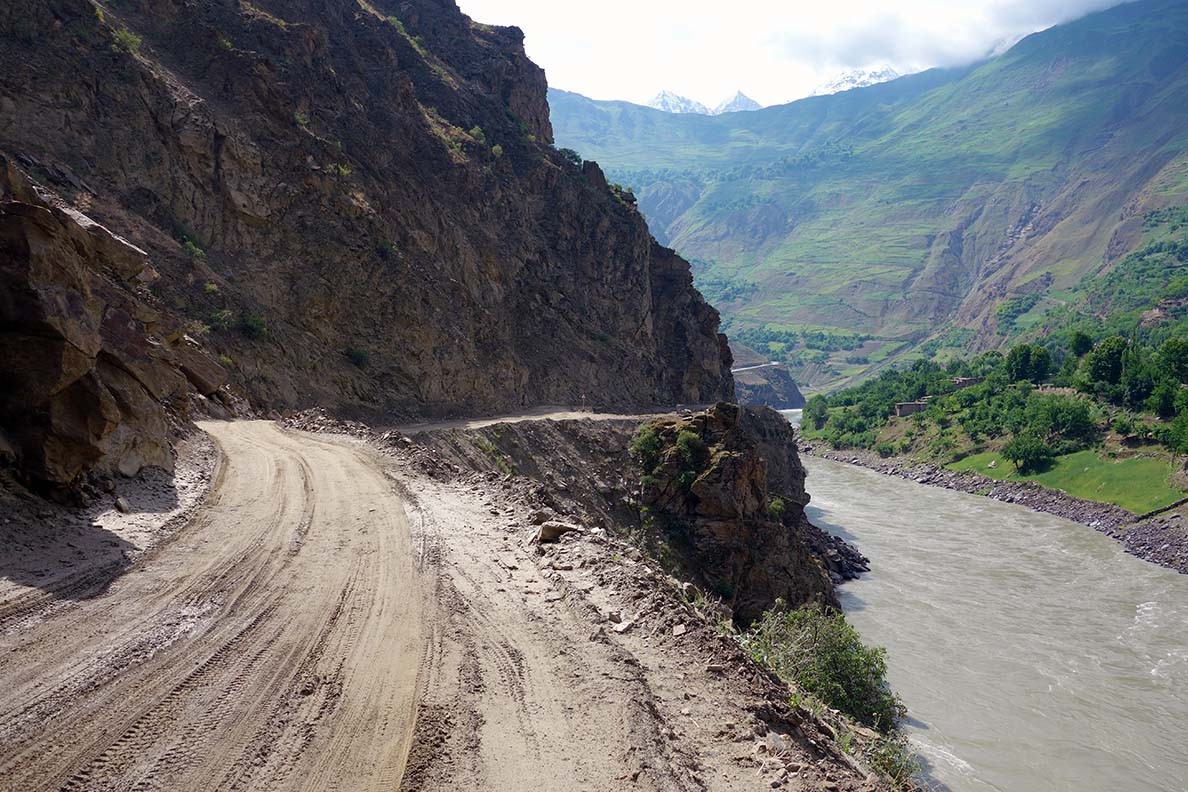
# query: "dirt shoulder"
{"type": "Point", "coordinates": [55, 554]}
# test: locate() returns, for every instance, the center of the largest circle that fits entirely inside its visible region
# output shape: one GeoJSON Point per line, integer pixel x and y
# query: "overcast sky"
{"type": "Point", "coordinates": [773, 50]}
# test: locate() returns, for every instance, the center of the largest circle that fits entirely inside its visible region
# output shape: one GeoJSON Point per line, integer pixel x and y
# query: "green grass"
{"type": "Point", "coordinates": [1140, 484]}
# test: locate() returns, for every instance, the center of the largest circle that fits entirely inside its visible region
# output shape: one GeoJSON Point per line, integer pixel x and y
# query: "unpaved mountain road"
{"type": "Point", "coordinates": [273, 644]}
{"type": "Point", "coordinates": [331, 618]}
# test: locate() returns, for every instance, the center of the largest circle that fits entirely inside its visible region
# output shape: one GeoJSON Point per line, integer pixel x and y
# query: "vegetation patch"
{"type": "Point", "coordinates": [124, 40]}
{"type": "Point", "coordinates": [1139, 484]}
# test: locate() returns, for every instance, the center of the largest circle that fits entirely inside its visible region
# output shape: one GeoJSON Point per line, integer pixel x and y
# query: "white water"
{"type": "Point", "coordinates": [1033, 653]}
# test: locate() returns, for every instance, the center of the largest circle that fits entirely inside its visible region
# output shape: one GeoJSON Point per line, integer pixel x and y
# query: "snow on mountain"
{"type": "Point", "coordinates": [856, 78]}
{"type": "Point", "coordinates": [670, 102]}
{"type": "Point", "coordinates": [738, 103]}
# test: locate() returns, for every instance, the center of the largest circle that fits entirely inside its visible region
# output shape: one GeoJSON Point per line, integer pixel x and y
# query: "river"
{"type": "Point", "coordinates": [1033, 653]}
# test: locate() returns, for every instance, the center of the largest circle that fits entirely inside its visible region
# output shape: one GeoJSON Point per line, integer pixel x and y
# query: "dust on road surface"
{"type": "Point", "coordinates": [274, 643]}
{"type": "Point", "coordinates": [333, 619]}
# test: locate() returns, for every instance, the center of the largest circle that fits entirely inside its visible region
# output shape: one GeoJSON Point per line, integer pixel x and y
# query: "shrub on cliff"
{"type": "Point", "coordinates": [815, 648]}
{"type": "Point", "coordinates": [124, 40]}
{"type": "Point", "coordinates": [646, 447]}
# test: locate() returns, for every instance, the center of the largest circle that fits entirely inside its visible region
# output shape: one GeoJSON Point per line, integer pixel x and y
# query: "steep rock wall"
{"type": "Point", "coordinates": [355, 203]}
{"type": "Point", "coordinates": [89, 374]}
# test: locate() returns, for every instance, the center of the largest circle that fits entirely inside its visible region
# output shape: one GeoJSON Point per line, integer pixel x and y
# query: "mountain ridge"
{"type": "Point", "coordinates": [910, 217]}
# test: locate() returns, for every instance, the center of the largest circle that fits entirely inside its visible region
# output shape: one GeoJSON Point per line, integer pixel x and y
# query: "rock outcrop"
{"type": "Point", "coordinates": [759, 382]}
{"type": "Point", "coordinates": [725, 494]}
{"type": "Point", "coordinates": [716, 526]}
{"type": "Point", "coordinates": [770, 386]}
{"type": "Point", "coordinates": [86, 378]}
{"type": "Point", "coordinates": [354, 204]}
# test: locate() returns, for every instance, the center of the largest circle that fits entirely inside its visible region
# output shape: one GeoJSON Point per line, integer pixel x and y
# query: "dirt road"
{"type": "Point", "coordinates": [274, 643]}
{"type": "Point", "coordinates": [309, 628]}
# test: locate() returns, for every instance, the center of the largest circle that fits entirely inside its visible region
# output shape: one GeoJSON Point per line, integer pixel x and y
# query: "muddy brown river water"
{"type": "Point", "coordinates": [1033, 653]}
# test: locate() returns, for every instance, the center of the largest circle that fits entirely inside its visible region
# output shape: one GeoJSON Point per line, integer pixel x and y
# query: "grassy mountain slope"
{"type": "Point", "coordinates": [936, 213]}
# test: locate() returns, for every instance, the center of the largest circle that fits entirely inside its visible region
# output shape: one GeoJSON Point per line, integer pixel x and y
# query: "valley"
{"type": "Point", "coordinates": [375, 416]}
{"type": "Point", "coordinates": [938, 214]}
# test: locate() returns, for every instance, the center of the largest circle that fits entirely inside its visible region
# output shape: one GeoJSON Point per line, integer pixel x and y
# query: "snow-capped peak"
{"type": "Point", "coordinates": [856, 78]}
{"type": "Point", "coordinates": [738, 103]}
{"type": "Point", "coordinates": [670, 102]}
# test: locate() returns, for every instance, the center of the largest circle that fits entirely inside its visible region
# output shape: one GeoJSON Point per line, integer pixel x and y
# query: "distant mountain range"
{"type": "Point", "coordinates": [670, 102]}
{"type": "Point", "coordinates": [856, 78]}
{"type": "Point", "coordinates": [940, 213]}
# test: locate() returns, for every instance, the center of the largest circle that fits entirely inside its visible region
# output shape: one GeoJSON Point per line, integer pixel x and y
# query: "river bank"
{"type": "Point", "coordinates": [1160, 539]}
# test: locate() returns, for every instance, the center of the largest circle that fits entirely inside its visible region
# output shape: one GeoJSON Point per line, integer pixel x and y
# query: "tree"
{"type": "Point", "coordinates": [1028, 362]}
{"type": "Point", "coordinates": [1104, 362]}
{"type": "Point", "coordinates": [1027, 452]}
{"type": "Point", "coordinates": [1079, 343]}
{"type": "Point", "coordinates": [570, 156]}
{"type": "Point", "coordinates": [816, 412]}
{"type": "Point", "coordinates": [1163, 399]}
{"type": "Point", "coordinates": [1174, 357]}
{"type": "Point", "coordinates": [1053, 417]}
{"type": "Point", "coordinates": [1139, 376]}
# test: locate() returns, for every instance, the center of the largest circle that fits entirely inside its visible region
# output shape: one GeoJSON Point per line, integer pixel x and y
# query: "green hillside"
{"type": "Point", "coordinates": [945, 212]}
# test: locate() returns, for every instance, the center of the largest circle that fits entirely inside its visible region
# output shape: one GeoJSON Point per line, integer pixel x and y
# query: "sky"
{"type": "Point", "coordinates": [772, 50]}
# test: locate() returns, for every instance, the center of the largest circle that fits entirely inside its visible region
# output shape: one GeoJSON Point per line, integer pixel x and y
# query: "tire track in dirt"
{"type": "Point", "coordinates": [273, 643]}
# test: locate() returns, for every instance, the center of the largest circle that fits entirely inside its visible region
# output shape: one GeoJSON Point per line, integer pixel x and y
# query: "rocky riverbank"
{"type": "Point", "coordinates": [1160, 539]}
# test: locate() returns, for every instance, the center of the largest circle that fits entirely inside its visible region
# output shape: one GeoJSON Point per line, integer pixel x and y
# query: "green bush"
{"type": "Point", "coordinates": [570, 156]}
{"type": "Point", "coordinates": [817, 649]}
{"type": "Point", "coordinates": [646, 447]}
{"type": "Point", "coordinates": [385, 249]}
{"type": "Point", "coordinates": [211, 288]}
{"type": "Point", "coordinates": [776, 508]}
{"type": "Point", "coordinates": [125, 40]}
{"type": "Point", "coordinates": [477, 133]}
{"type": "Point", "coordinates": [497, 150]}
{"type": "Point", "coordinates": [222, 319]}
{"type": "Point", "coordinates": [192, 249]}
{"type": "Point", "coordinates": [892, 757]}
{"type": "Point", "coordinates": [360, 357]}
{"type": "Point", "coordinates": [254, 327]}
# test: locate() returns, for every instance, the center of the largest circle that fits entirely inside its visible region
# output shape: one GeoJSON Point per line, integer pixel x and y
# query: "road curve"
{"type": "Point", "coordinates": [273, 644]}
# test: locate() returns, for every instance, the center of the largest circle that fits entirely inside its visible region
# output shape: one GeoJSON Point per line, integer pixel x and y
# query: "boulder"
{"type": "Point", "coordinates": [553, 530]}
{"type": "Point", "coordinates": [84, 381]}
{"type": "Point", "coordinates": [199, 368]}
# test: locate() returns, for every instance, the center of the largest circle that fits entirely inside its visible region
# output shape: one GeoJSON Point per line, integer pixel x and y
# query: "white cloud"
{"type": "Point", "coordinates": [774, 51]}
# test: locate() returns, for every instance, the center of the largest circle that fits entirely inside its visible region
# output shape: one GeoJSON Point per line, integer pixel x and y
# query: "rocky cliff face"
{"type": "Point", "coordinates": [726, 495]}
{"type": "Point", "coordinates": [355, 204]}
{"type": "Point", "coordinates": [87, 366]}
{"type": "Point", "coordinates": [771, 386]}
